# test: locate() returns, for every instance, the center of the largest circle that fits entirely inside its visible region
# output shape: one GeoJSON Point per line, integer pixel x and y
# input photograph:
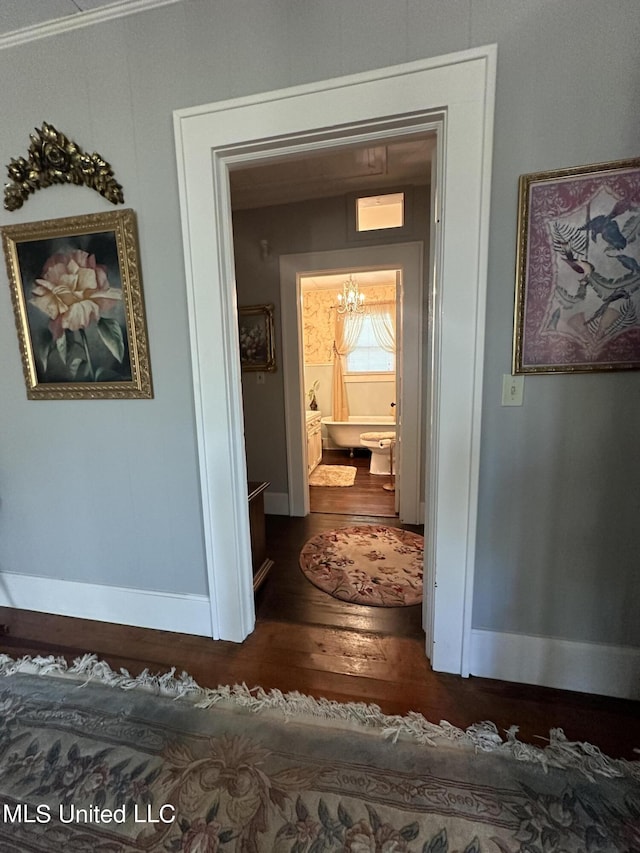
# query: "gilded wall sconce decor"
{"type": "Point", "coordinates": [77, 298]}
{"type": "Point", "coordinates": [53, 158]}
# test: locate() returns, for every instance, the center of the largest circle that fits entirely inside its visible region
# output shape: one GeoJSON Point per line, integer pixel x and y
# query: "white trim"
{"type": "Point", "coordinates": [293, 380]}
{"type": "Point", "coordinates": [215, 357]}
{"type": "Point", "coordinates": [429, 513]}
{"type": "Point", "coordinates": [597, 668]}
{"type": "Point", "coordinates": [164, 611]}
{"type": "Point", "coordinates": [276, 503]}
{"type": "Point", "coordinates": [459, 90]}
{"type": "Point", "coordinates": [478, 367]}
{"type": "Point", "coordinates": [79, 19]}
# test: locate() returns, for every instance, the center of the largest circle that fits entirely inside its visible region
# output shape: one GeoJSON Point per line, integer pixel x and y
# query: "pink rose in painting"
{"type": "Point", "coordinates": [73, 291]}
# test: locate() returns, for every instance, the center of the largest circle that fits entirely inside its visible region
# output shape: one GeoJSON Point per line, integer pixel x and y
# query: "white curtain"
{"type": "Point", "coordinates": [383, 323]}
{"type": "Point", "coordinates": [347, 332]}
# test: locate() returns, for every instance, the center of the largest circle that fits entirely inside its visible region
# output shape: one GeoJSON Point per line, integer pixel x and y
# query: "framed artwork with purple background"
{"type": "Point", "coordinates": [577, 306]}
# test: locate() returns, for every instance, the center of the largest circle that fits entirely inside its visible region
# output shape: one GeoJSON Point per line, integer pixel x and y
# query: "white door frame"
{"type": "Point", "coordinates": [407, 256]}
{"type": "Point", "coordinates": [213, 138]}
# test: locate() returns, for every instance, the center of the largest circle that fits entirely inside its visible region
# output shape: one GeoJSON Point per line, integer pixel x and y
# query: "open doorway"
{"type": "Point", "coordinates": [409, 262]}
{"type": "Point", "coordinates": [280, 207]}
{"type": "Point", "coordinates": [453, 95]}
{"type": "Point", "coordinates": [306, 300]}
{"type": "Point", "coordinates": [351, 349]}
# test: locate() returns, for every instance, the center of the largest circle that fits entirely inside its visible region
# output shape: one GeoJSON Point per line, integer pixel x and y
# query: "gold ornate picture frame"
{"type": "Point", "coordinates": [77, 297]}
{"type": "Point", "coordinates": [257, 342]}
{"type": "Point", "coordinates": [577, 305]}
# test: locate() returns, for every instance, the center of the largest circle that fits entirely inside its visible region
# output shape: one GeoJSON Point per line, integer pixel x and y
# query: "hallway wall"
{"type": "Point", "coordinates": [107, 493]}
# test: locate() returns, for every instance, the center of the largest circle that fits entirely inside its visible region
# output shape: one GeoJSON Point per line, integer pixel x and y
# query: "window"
{"type": "Point", "coordinates": [376, 212]}
{"type": "Point", "coordinates": [368, 356]}
{"type": "Point", "coordinates": [379, 213]}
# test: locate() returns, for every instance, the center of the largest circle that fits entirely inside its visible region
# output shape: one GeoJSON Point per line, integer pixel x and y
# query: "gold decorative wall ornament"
{"type": "Point", "coordinates": [53, 158]}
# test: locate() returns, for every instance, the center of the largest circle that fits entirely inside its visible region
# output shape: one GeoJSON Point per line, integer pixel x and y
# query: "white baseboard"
{"type": "Point", "coordinates": [166, 611]}
{"type": "Point", "coordinates": [586, 667]}
{"type": "Point", "coordinates": [276, 503]}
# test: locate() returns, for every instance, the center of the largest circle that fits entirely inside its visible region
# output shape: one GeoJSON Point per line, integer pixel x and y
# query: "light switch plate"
{"type": "Point", "coordinates": [512, 390]}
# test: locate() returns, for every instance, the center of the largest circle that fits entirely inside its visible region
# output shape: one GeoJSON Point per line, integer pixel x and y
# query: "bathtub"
{"type": "Point", "coordinates": [347, 433]}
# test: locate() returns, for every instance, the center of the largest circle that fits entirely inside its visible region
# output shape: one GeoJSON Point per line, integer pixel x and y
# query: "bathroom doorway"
{"type": "Point", "coordinates": [407, 262]}
{"type": "Point", "coordinates": [351, 316]}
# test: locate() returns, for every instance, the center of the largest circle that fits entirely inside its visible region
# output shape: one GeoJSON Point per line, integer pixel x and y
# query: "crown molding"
{"type": "Point", "coordinates": [77, 20]}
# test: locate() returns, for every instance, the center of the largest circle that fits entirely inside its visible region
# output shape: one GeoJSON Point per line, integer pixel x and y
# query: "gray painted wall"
{"type": "Point", "coordinates": [108, 491]}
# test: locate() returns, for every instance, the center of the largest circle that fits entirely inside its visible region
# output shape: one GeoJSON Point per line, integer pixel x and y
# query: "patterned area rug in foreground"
{"type": "Point", "coordinates": [366, 564]}
{"type": "Point", "coordinates": [93, 760]}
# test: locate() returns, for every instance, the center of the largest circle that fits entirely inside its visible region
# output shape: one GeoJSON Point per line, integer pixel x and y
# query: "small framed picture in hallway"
{"type": "Point", "coordinates": [257, 342]}
{"type": "Point", "coordinates": [577, 306]}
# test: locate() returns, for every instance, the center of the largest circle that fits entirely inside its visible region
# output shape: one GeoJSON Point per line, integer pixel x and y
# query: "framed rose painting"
{"type": "Point", "coordinates": [77, 297]}
{"type": "Point", "coordinates": [578, 270]}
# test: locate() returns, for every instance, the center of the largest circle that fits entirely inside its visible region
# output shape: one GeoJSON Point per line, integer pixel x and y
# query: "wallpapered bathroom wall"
{"type": "Point", "coordinates": [318, 320]}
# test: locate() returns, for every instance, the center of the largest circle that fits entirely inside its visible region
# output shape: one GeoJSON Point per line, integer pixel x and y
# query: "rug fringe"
{"type": "Point", "coordinates": [559, 752]}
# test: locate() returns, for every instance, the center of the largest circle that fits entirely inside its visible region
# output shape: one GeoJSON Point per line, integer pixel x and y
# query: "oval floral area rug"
{"type": "Point", "coordinates": [366, 564]}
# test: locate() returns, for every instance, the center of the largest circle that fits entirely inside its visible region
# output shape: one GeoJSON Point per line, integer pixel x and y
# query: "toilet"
{"type": "Point", "coordinates": [378, 443]}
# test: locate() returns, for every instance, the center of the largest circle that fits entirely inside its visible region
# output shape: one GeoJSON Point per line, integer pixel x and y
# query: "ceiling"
{"type": "Point", "coordinates": [401, 163]}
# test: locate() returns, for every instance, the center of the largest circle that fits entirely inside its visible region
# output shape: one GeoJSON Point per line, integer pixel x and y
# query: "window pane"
{"type": "Point", "coordinates": [367, 356]}
{"type": "Point", "coordinates": [380, 211]}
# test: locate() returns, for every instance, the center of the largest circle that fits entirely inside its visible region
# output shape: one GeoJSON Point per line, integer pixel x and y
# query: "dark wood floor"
{"type": "Point", "coordinates": [288, 596]}
{"type": "Point", "coordinates": [366, 496]}
{"type": "Point", "coordinates": [305, 640]}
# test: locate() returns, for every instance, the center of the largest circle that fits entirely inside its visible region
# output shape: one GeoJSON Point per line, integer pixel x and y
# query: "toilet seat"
{"type": "Point", "coordinates": [378, 443]}
{"type": "Point", "coordinates": [376, 436]}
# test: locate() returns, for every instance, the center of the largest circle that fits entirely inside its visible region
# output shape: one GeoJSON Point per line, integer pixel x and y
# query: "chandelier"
{"type": "Point", "coordinates": [351, 300]}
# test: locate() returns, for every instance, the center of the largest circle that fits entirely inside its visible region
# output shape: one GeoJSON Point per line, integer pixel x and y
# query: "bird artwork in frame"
{"type": "Point", "coordinates": [577, 306]}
